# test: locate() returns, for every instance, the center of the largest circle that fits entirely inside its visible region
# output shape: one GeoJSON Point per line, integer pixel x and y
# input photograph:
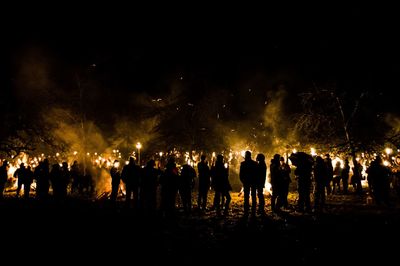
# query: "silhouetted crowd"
{"type": "Point", "coordinates": [150, 189]}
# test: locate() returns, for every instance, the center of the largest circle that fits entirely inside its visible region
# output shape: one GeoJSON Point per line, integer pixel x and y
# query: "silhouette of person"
{"type": "Point", "coordinates": [220, 182]}
{"type": "Point", "coordinates": [260, 182]}
{"type": "Point", "coordinates": [337, 173]}
{"type": "Point", "coordinates": [303, 172]}
{"type": "Point", "coordinates": [186, 184]}
{"type": "Point", "coordinates": [276, 183]}
{"type": "Point", "coordinates": [357, 177]}
{"type": "Point", "coordinates": [345, 176]}
{"type": "Point", "coordinates": [42, 176]}
{"type": "Point", "coordinates": [65, 179]}
{"type": "Point", "coordinates": [320, 177]}
{"type": "Point", "coordinates": [149, 187]}
{"type": "Point", "coordinates": [204, 182]}
{"type": "Point", "coordinates": [76, 177]}
{"type": "Point", "coordinates": [169, 187]}
{"type": "Point", "coordinates": [3, 177]}
{"type": "Point", "coordinates": [378, 175]}
{"type": "Point", "coordinates": [286, 180]}
{"type": "Point", "coordinates": [115, 180]}
{"type": "Point", "coordinates": [27, 182]}
{"type": "Point", "coordinates": [131, 175]}
{"type": "Point", "coordinates": [55, 178]}
{"type": "Point", "coordinates": [329, 168]}
{"type": "Point", "coordinates": [20, 173]}
{"type": "Point", "coordinates": [248, 174]}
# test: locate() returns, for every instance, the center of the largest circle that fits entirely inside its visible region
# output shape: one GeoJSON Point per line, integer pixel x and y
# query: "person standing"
{"type": "Point", "coordinates": [204, 182]}
{"type": "Point", "coordinates": [260, 181]}
{"type": "Point", "coordinates": [284, 168]}
{"type": "Point", "coordinates": [248, 175]}
{"type": "Point", "coordinates": [220, 182]}
{"type": "Point", "coordinates": [3, 177]}
{"type": "Point", "coordinates": [115, 180]}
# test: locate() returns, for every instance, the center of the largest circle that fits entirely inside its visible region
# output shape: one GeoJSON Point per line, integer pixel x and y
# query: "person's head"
{"type": "Point", "coordinates": [277, 157]}
{"type": "Point", "coordinates": [203, 157]}
{"type": "Point", "coordinates": [131, 160]}
{"type": "Point", "coordinates": [247, 155]}
{"type": "Point", "coordinates": [22, 165]}
{"type": "Point", "coordinates": [5, 162]}
{"type": "Point", "coordinates": [282, 160]}
{"type": "Point", "coordinates": [220, 158]}
{"type": "Point", "coordinates": [171, 160]}
{"type": "Point", "coordinates": [260, 157]}
{"type": "Point", "coordinates": [151, 163]}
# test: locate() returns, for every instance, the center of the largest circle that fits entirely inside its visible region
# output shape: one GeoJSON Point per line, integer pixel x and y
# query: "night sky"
{"type": "Point", "coordinates": [138, 47]}
{"type": "Point", "coordinates": [125, 51]}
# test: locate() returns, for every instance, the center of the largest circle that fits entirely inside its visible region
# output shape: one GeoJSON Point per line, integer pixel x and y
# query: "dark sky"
{"type": "Point", "coordinates": [143, 49]}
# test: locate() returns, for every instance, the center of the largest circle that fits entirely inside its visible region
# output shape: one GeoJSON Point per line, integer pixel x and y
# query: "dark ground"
{"type": "Point", "coordinates": [76, 231]}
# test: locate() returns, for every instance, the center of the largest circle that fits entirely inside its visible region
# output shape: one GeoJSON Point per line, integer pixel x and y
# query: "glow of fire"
{"type": "Point", "coordinates": [313, 152]}
{"type": "Point", "coordinates": [388, 151]}
{"type": "Point", "coordinates": [337, 159]}
{"type": "Point", "coordinates": [138, 145]}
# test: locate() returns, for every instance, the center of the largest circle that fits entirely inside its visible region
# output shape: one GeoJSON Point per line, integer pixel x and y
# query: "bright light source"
{"type": "Point", "coordinates": [138, 145]}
